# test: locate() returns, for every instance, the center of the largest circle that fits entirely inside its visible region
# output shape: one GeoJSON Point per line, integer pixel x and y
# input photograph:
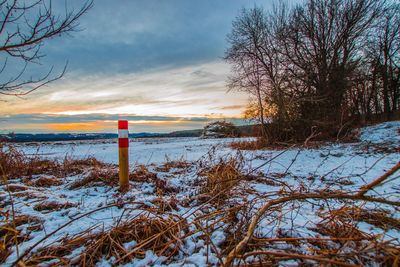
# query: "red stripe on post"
{"type": "Point", "coordinates": [123, 124]}
{"type": "Point", "coordinates": [123, 142]}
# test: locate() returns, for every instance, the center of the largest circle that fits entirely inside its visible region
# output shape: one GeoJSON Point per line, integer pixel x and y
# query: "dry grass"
{"type": "Point", "coordinates": [108, 176]}
{"type": "Point", "coordinates": [53, 206]}
{"type": "Point", "coordinates": [222, 176]}
{"type": "Point", "coordinates": [43, 181]}
{"type": "Point", "coordinates": [164, 205]}
{"type": "Point", "coordinates": [155, 233]}
{"type": "Point", "coordinates": [257, 144]}
{"type": "Point", "coordinates": [105, 176]}
{"type": "Point", "coordinates": [181, 164]}
{"type": "Point", "coordinates": [16, 188]}
{"type": "Point", "coordinates": [16, 164]}
{"type": "Point", "coordinates": [78, 166]}
{"type": "Point", "coordinates": [10, 236]}
{"type": "Point", "coordinates": [378, 218]}
{"type": "Point", "coordinates": [339, 223]}
{"type": "Point", "coordinates": [110, 244]}
{"type": "Point", "coordinates": [142, 174]}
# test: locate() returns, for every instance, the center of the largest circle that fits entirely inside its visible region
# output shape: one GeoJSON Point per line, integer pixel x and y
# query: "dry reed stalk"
{"type": "Point", "coordinates": [222, 176]}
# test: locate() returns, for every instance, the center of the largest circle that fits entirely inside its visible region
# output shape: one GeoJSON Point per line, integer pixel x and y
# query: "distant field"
{"type": "Point", "coordinates": [141, 151]}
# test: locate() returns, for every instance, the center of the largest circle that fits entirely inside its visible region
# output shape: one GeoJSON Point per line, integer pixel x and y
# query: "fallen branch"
{"type": "Point", "coordinates": [257, 217]}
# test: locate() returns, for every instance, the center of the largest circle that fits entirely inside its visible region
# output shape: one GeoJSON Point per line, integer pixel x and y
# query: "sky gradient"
{"type": "Point", "coordinates": [156, 63]}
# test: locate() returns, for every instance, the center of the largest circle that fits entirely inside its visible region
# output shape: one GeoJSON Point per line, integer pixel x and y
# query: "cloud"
{"type": "Point", "coordinates": [144, 58]}
{"type": "Point", "coordinates": [190, 91]}
{"type": "Point", "coordinates": [102, 123]}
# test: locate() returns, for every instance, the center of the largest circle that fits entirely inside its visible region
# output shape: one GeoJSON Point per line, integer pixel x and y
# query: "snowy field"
{"type": "Point", "coordinates": [141, 151]}
{"type": "Point", "coordinates": [215, 223]}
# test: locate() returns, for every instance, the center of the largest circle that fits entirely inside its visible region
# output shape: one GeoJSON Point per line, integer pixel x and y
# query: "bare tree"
{"type": "Point", "coordinates": [309, 62]}
{"type": "Point", "coordinates": [255, 61]}
{"type": "Point", "coordinates": [24, 27]}
{"type": "Point", "coordinates": [384, 53]}
{"type": "Point", "coordinates": [322, 45]}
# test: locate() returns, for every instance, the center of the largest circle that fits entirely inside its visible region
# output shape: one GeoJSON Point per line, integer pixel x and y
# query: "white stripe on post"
{"type": "Point", "coordinates": [123, 133]}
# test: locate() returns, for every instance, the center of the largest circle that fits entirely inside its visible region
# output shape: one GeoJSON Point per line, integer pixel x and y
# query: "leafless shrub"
{"type": "Point", "coordinates": [222, 174]}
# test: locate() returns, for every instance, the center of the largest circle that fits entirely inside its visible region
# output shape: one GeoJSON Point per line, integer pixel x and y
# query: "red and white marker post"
{"type": "Point", "coordinates": [123, 149]}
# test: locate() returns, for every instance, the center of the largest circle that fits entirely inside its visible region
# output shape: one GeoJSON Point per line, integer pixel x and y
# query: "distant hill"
{"type": "Point", "coordinates": [66, 136]}
{"type": "Point", "coordinates": [246, 130]}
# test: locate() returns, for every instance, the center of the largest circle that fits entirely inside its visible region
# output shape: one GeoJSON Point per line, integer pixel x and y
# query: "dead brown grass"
{"type": "Point", "coordinates": [139, 229]}
{"type": "Point", "coordinates": [16, 188]}
{"type": "Point", "coordinates": [10, 236]}
{"type": "Point", "coordinates": [222, 176]}
{"type": "Point", "coordinates": [142, 174]}
{"type": "Point", "coordinates": [378, 218]}
{"type": "Point", "coordinates": [77, 166]}
{"type": "Point", "coordinates": [257, 144]}
{"type": "Point", "coordinates": [43, 181]}
{"type": "Point", "coordinates": [174, 164]}
{"type": "Point", "coordinates": [164, 205]}
{"type": "Point", "coordinates": [155, 233]}
{"type": "Point", "coordinates": [339, 223]}
{"type": "Point", "coordinates": [16, 164]}
{"type": "Point", "coordinates": [106, 176]}
{"type": "Point", "coordinates": [53, 206]}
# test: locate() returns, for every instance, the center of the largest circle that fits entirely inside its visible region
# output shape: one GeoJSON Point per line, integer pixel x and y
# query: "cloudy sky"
{"type": "Point", "coordinates": [157, 63]}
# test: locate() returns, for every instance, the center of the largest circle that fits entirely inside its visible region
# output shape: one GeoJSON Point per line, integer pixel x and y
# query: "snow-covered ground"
{"type": "Point", "coordinates": [141, 151]}
{"type": "Point", "coordinates": [344, 167]}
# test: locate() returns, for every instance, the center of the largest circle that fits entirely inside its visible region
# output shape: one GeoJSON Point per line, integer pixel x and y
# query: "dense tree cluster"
{"type": "Point", "coordinates": [317, 66]}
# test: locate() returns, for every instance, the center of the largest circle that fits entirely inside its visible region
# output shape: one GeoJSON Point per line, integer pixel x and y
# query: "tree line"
{"type": "Point", "coordinates": [317, 67]}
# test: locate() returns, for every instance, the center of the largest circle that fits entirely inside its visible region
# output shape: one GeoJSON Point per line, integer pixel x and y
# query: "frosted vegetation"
{"type": "Point", "coordinates": [197, 202]}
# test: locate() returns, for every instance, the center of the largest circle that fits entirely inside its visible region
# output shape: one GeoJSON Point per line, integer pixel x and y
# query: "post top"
{"type": "Point", "coordinates": [123, 124]}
